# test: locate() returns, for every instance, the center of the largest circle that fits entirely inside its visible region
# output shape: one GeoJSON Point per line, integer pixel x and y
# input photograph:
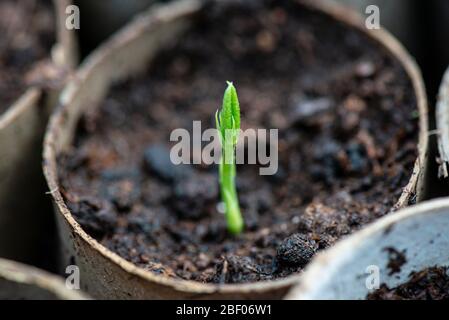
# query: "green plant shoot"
{"type": "Point", "coordinates": [228, 126]}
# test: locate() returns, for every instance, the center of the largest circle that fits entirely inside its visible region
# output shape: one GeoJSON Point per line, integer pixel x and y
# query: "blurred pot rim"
{"type": "Point", "coordinates": [442, 122]}
{"type": "Point", "coordinates": [20, 273]}
{"type": "Point", "coordinates": [133, 30]}
{"type": "Point", "coordinates": [63, 53]}
{"type": "Point", "coordinates": [29, 98]}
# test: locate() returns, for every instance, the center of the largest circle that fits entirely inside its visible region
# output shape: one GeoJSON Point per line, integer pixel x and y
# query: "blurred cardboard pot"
{"type": "Point", "coordinates": [392, 248]}
{"type": "Point", "coordinates": [22, 282]}
{"type": "Point", "coordinates": [23, 221]}
{"type": "Point", "coordinates": [442, 123]}
{"type": "Point", "coordinates": [107, 275]}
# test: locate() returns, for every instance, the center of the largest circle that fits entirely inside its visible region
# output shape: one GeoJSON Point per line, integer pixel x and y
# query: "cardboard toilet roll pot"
{"type": "Point", "coordinates": [107, 275]}
{"type": "Point", "coordinates": [25, 214]}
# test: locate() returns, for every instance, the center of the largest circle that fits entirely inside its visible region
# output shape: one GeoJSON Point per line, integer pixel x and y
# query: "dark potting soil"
{"type": "Point", "coordinates": [348, 127]}
{"type": "Point", "coordinates": [27, 33]}
{"type": "Point", "coordinates": [428, 284]}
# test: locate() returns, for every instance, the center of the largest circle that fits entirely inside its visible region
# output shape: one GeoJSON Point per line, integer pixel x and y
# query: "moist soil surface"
{"type": "Point", "coordinates": [348, 127]}
{"type": "Point", "coordinates": [428, 284]}
{"type": "Point", "coordinates": [27, 33]}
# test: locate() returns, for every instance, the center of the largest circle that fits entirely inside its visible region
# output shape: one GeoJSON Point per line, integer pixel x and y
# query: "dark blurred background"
{"type": "Point", "coordinates": [422, 27]}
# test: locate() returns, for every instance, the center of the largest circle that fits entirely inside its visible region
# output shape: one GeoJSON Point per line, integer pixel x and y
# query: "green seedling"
{"type": "Point", "coordinates": [228, 125]}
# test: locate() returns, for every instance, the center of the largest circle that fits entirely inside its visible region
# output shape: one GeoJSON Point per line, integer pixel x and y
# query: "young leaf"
{"type": "Point", "coordinates": [228, 124]}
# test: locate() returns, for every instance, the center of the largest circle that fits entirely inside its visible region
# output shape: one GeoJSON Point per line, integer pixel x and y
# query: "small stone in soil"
{"type": "Point", "coordinates": [157, 160]}
{"type": "Point", "coordinates": [365, 69]}
{"type": "Point", "coordinates": [327, 166]}
{"type": "Point", "coordinates": [120, 174]}
{"type": "Point", "coordinates": [304, 109]}
{"type": "Point", "coordinates": [356, 155]}
{"type": "Point", "coordinates": [296, 250]}
{"type": "Point", "coordinates": [193, 194]}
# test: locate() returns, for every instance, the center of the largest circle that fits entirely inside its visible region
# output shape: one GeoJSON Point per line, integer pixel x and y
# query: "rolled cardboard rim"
{"type": "Point", "coordinates": [66, 56]}
{"type": "Point", "coordinates": [115, 60]}
{"type": "Point", "coordinates": [21, 281]}
{"type": "Point", "coordinates": [442, 123]}
{"type": "Point", "coordinates": [63, 53]}
{"type": "Point", "coordinates": [419, 232]}
{"type": "Point", "coordinates": [21, 131]}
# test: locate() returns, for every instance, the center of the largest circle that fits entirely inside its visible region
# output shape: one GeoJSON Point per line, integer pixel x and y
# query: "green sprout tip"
{"type": "Point", "coordinates": [228, 126]}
